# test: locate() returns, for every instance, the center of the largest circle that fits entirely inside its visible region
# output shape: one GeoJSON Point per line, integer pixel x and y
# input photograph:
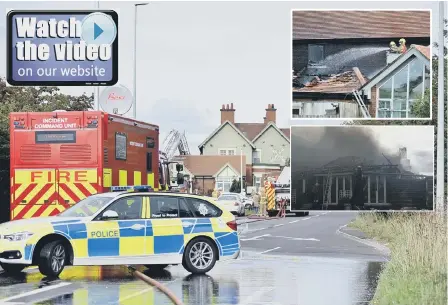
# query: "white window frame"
{"type": "Point", "coordinates": [259, 156]}
{"type": "Point", "coordinates": [408, 101]}
{"type": "Point", "coordinates": [227, 150]}
{"type": "Point", "coordinates": [221, 181]}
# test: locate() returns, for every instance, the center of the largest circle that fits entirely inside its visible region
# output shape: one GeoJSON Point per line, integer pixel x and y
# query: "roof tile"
{"type": "Point", "coordinates": [360, 24]}
{"type": "Point", "coordinates": [251, 130]}
{"type": "Point", "coordinates": [204, 165]}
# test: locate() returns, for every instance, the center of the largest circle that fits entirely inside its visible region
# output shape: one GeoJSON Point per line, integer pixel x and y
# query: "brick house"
{"type": "Point", "coordinates": [205, 173]}
{"type": "Point", "coordinates": [265, 146]}
{"type": "Point", "coordinates": [323, 57]}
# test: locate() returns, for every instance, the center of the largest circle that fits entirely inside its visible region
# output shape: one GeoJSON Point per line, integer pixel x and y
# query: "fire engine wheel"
{"type": "Point", "coordinates": [52, 259]}
{"type": "Point", "coordinates": [12, 268]}
{"type": "Point", "coordinates": [200, 256]}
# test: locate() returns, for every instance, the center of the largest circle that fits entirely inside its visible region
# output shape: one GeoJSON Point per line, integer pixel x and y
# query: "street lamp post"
{"type": "Point", "coordinates": [134, 107]}
{"type": "Point", "coordinates": [440, 186]}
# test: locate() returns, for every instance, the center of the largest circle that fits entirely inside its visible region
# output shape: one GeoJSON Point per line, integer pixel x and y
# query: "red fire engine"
{"type": "Point", "coordinates": [59, 158]}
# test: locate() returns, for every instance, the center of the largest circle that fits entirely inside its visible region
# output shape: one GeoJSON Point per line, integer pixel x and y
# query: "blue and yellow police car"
{"type": "Point", "coordinates": [128, 226]}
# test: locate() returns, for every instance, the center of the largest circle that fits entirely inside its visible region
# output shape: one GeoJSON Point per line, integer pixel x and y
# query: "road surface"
{"type": "Point", "coordinates": [290, 261]}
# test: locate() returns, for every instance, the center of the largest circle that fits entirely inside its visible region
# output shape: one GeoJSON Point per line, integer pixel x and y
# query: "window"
{"type": "Point", "coordinates": [203, 208]}
{"type": "Point", "coordinates": [226, 151]}
{"type": "Point", "coordinates": [228, 198]}
{"type": "Point", "coordinates": [184, 210]}
{"type": "Point", "coordinates": [257, 181]}
{"type": "Point", "coordinates": [149, 162]}
{"type": "Point", "coordinates": [48, 137]}
{"type": "Point", "coordinates": [315, 53]}
{"type": "Point", "coordinates": [224, 183]}
{"type": "Point", "coordinates": [150, 143]}
{"type": "Point", "coordinates": [120, 146]}
{"type": "Point", "coordinates": [164, 207]}
{"type": "Point", "coordinates": [86, 207]}
{"type": "Point", "coordinates": [129, 207]}
{"type": "Point", "coordinates": [399, 92]}
{"type": "Point", "coordinates": [256, 156]}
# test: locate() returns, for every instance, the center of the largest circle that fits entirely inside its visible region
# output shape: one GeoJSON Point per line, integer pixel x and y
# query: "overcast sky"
{"type": "Point", "coordinates": [195, 56]}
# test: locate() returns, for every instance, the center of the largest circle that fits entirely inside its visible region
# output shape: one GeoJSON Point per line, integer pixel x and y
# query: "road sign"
{"type": "Point", "coordinates": [116, 100]}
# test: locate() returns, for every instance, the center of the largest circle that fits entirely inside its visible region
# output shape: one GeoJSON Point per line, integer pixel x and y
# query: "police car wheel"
{"type": "Point", "coordinates": [12, 268]}
{"type": "Point", "coordinates": [199, 256]}
{"type": "Point", "coordinates": [52, 259]}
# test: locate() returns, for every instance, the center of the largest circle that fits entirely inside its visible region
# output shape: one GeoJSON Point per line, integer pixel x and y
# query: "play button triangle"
{"type": "Point", "coordinates": [97, 31]}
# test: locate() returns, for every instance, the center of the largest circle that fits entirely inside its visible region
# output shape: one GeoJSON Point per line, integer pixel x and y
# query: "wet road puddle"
{"type": "Point", "coordinates": [253, 280]}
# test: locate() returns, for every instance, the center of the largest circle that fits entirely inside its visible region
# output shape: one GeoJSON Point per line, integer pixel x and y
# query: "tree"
{"type": "Point", "coordinates": [236, 186]}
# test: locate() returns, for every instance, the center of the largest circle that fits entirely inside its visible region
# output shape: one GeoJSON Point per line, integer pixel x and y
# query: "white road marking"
{"type": "Point", "coordinates": [256, 296]}
{"type": "Point", "coordinates": [296, 238]}
{"type": "Point", "coordinates": [306, 218]}
{"type": "Point", "coordinates": [379, 247]}
{"type": "Point", "coordinates": [36, 291]}
{"type": "Point", "coordinates": [294, 221]}
{"type": "Point", "coordinates": [256, 237]}
{"type": "Point", "coordinates": [269, 250]}
{"type": "Point", "coordinates": [279, 225]}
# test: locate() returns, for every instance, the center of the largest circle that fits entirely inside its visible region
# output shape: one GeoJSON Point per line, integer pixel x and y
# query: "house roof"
{"type": "Point", "coordinates": [271, 124]}
{"type": "Point", "coordinates": [421, 52]}
{"type": "Point", "coordinates": [425, 50]}
{"type": "Point", "coordinates": [204, 165]}
{"type": "Point", "coordinates": [248, 131]}
{"type": "Point", "coordinates": [240, 132]}
{"type": "Point", "coordinates": [344, 82]}
{"type": "Point", "coordinates": [315, 25]}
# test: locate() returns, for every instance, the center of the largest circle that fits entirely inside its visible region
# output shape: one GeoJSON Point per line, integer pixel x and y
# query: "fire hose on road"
{"type": "Point", "coordinates": [156, 284]}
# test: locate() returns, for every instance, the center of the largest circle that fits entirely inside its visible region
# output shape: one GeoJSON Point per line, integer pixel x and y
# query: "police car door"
{"type": "Point", "coordinates": [166, 227]}
{"type": "Point", "coordinates": [118, 233]}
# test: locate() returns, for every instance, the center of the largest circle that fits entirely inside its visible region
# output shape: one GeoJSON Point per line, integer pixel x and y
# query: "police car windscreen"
{"type": "Point", "coordinates": [47, 137]}
{"type": "Point", "coordinates": [86, 207]}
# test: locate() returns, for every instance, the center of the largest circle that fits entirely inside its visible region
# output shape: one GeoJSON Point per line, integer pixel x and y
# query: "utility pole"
{"type": "Point", "coordinates": [440, 186]}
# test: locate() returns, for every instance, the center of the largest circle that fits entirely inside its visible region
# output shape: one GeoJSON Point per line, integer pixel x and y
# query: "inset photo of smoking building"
{"type": "Point", "coordinates": [362, 167]}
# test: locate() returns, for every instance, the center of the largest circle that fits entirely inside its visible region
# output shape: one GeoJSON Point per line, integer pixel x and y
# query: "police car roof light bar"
{"type": "Point", "coordinates": [131, 188]}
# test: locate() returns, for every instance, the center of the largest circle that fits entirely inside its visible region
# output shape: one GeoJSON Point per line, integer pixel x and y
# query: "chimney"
{"type": "Point", "coordinates": [227, 113]}
{"type": "Point", "coordinates": [270, 114]}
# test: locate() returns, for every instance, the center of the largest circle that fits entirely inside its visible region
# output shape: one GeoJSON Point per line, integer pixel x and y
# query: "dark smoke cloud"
{"type": "Point", "coordinates": [314, 147]}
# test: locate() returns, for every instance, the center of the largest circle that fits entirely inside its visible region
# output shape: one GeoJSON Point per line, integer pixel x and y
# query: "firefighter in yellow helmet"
{"type": "Point", "coordinates": [215, 193]}
{"type": "Point", "coordinates": [402, 47]}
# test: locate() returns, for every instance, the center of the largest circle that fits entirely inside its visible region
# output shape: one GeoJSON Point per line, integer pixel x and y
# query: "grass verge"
{"type": "Point", "coordinates": [417, 271]}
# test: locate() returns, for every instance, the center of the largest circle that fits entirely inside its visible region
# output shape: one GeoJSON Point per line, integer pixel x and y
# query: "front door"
{"type": "Point", "coordinates": [114, 241]}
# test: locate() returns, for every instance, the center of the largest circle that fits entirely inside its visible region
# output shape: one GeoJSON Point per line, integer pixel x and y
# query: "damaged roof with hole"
{"type": "Point", "coordinates": [315, 25]}
{"type": "Point", "coordinates": [344, 82]}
